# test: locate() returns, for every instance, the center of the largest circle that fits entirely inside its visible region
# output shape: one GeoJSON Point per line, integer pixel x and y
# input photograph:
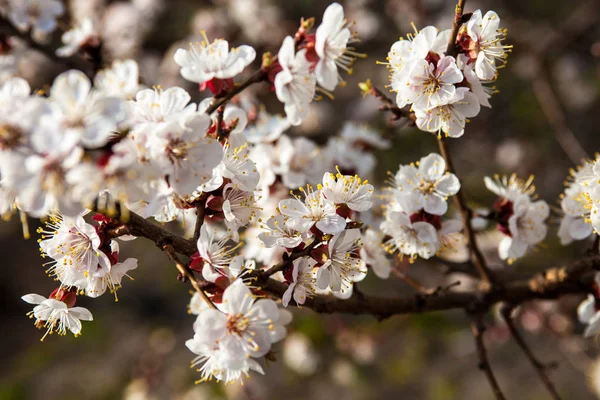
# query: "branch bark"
{"type": "Point", "coordinates": [484, 364]}
{"type": "Point", "coordinates": [576, 277]}
{"type": "Point", "coordinates": [537, 365]}
{"type": "Point", "coordinates": [466, 214]}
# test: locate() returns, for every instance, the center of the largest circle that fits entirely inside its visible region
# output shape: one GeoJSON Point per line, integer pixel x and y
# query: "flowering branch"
{"type": "Point", "coordinates": [168, 249]}
{"type": "Point", "coordinates": [75, 61]}
{"type": "Point", "coordinates": [466, 216]}
{"type": "Point", "coordinates": [539, 367]}
{"type": "Point", "coordinates": [288, 260]}
{"type": "Point", "coordinates": [258, 76]}
{"type": "Point", "coordinates": [387, 104]}
{"type": "Point", "coordinates": [452, 49]}
{"type": "Point", "coordinates": [478, 329]}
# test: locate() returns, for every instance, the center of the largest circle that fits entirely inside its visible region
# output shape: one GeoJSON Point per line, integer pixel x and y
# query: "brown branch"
{"type": "Point", "coordinates": [549, 284]}
{"type": "Point", "coordinates": [200, 211]}
{"type": "Point", "coordinates": [410, 281]}
{"type": "Point", "coordinates": [452, 49]}
{"type": "Point", "coordinates": [466, 214]}
{"type": "Point", "coordinates": [75, 61]}
{"type": "Point", "coordinates": [537, 365]}
{"type": "Point", "coordinates": [217, 102]}
{"type": "Point", "coordinates": [576, 277]}
{"type": "Point", "coordinates": [170, 251]}
{"type": "Point", "coordinates": [556, 118]}
{"type": "Point", "coordinates": [478, 329]}
{"type": "Point", "coordinates": [387, 103]}
{"type": "Point", "coordinates": [289, 259]}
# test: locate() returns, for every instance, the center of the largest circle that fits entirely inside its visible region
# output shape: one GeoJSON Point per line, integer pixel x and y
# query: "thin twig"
{"type": "Point", "coordinates": [217, 102]}
{"type": "Point", "coordinates": [168, 249]}
{"type": "Point", "coordinates": [466, 213]}
{"type": "Point", "coordinates": [537, 365]}
{"type": "Point", "coordinates": [484, 364]}
{"type": "Point", "coordinates": [412, 282]}
{"type": "Point", "coordinates": [452, 49]}
{"type": "Point", "coordinates": [388, 104]}
{"type": "Point", "coordinates": [200, 211]}
{"type": "Point", "coordinates": [557, 119]}
{"type": "Point", "coordinates": [75, 61]}
{"type": "Point", "coordinates": [289, 259]}
{"type": "Point", "coordinates": [575, 277]}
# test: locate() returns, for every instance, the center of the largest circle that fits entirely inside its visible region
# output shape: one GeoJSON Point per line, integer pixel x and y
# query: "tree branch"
{"type": "Point", "coordinates": [75, 61]}
{"type": "Point", "coordinates": [452, 49]}
{"type": "Point", "coordinates": [466, 214]}
{"type": "Point", "coordinates": [484, 364]}
{"type": "Point", "coordinates": [217, 102]}
{"type": "Point", "coordinates": [537, 365]}
{"type": "Point", "coordinates": [170, 251]}
{"type": "Point", "coordinates": [288, 261]}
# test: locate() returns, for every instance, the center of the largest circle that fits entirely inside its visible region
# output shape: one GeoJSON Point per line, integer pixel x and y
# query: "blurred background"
{"type": "Point", "coordinates": [545, 117]}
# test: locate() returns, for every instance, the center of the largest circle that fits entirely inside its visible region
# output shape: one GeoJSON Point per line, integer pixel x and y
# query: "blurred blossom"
{"type": "Point", "coordinates": [138, 389]}
{"type": "Point", "coordinates": [162, 340]}
{"type": "Point", "coordinates": [246, 13]}
{"type": "Point", "coordinates": [361, 347]}
{"type": "Point", "coordinates": [122, 30]}
{"type": "Point", "coordinates": [213, 21]}
{"type": "Point", "coordinates": [81, 9]}
{"type": "Point", "coordinates": [299, 354]}
{"type": "Point", "coordinates": [593, 376]}
{"type": "Point", "coordinates": [575, 91]}
{"type": "Point", "coordinates": [510, 154]}
{"type": "Point", "coordinates": [343, 372]}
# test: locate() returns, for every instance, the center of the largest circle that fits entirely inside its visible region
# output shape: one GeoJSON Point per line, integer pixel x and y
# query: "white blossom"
{"type": "Point", "coordinates": [279, 233]}
{"type": "Point", "coordinates": [38, 15]}
{"type": "Point", "coordinates": [120, 80]}
{"type": "Point", "coordinates": [295, 83]}
{"type": "Point", "coordinates": [349, 190]}
{"type": "Point", "coordinates": [56, 316]}
{"type": "Point", "coordinates": [486, 45]}
{"type": "Point", "coordinates": [228, 340]}
{"type": "Point", "coordinates": [428, 184]}
{"type": "Point", "coordinates": [205, 61]}
{"type": "Point", "coordinates": [331, 45]}
{"type": "Point", "coordinates": [451, 117]}
{"type": "Point", "coordinates": [343, 265]}
{"type": "Point", "coordinates": [412, 239]}
{"type": "Point", "coordinates": [314, 210]}
{"type": "Point", "coordinates": [303, 283]}
{"type": "Point", "coordinates": [76, 38]}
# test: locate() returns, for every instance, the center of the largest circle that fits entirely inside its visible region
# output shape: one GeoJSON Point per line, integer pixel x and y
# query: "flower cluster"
{"type": "Point", "coordinates": [519, 216]}
{"type": "Point", "coordinates": [577, 204]}
{"type": "Point", "coordinates": [441, 89]}
{"type": "Point", "coordinates": [417, 201]}
{"type": "Point", "coordinates": [230, 340]}
{"type": "Point", "coordinates": [259, 202]}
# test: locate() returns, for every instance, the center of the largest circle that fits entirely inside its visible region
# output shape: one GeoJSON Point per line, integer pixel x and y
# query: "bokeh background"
{"type": "Point", "coordinates": [545, 116]}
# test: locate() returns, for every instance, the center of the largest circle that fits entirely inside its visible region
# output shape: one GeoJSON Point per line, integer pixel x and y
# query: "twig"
{"type": "Point", "coordinates": [575, 277]}
{"type": "Point", "coordinates": [557, 120]}
{"type": "Point", "coordinates": [484, 364]}
{"type": "Point", "coordinates": [76, 61]}
{"type": "Point", "coordinates": [200, 211]}
{"type": "Point", "coordinates": [415, 284]}
{"type": "Point", "coordinates": [537, 365]}
{"type": "Point", "coordinates": [387, 103]}
{"type": "Point", "coordinates": [465, 213]}
{"type": "Point", "coordinates": [452, 49]}
{"type": "Point", "coordinates": [288, 260]}
{"type": "Point", "coordinates": [217, 102]}
{"type": "Point", "coordinates": [168, 249]}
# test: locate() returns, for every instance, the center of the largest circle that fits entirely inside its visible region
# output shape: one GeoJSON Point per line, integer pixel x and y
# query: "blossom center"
{"type": "Point", "coordinates": [237, 324]}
